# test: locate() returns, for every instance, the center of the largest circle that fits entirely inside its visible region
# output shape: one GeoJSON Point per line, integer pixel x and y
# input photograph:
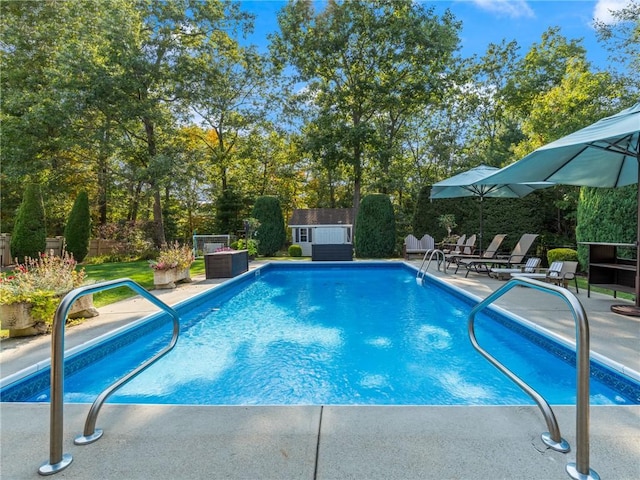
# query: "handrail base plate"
{"type": "Point", "coordinates": [562, 446]}
{"type": "Point", "coordinates": [573, 472]}
{"type": "Point", "coordinates": [87, 439]}
{"type": "Point", "coordinates": [50, 469]}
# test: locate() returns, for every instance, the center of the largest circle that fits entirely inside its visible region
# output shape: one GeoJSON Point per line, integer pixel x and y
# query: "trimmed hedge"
{"type": "Point", "coordinates": [375, 230]}
{"type": "Point", "coordinates": [607, 215]}
{"type": "Point", "coordinates": [562, 255]}
{"type": "Point", "coordinates": [295, 251]}
{"type": "Point", "coordinates": [78, 229]}
{"type": "Point", "coordinates": [29, 237]}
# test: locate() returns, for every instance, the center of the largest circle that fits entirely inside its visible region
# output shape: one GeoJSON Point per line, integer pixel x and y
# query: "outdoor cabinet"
{"type": "Point", "coordinates": [607, 270]}
{"type": "Point", "coordinates": [332, 252]}
{"type": "Point", "coordinates": [226, 264]}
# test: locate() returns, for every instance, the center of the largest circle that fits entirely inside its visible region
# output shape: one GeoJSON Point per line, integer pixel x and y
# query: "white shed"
{"type": "Point", "coordinates": [321, 226]}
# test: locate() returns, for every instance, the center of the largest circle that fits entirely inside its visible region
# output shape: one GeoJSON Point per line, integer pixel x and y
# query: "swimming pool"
{"type": "Point", "coordinates": [307, 334]}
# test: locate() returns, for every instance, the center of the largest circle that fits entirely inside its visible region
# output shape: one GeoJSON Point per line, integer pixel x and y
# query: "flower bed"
{"type": "Point", "coordinates": [30, 295]}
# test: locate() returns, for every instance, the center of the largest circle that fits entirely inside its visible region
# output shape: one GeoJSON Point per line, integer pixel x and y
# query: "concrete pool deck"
{"type": "Point", "coordinates": [328, 442]}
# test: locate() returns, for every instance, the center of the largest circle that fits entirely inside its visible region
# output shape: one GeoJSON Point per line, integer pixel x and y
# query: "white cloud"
{"type": "Point", "coordinates": [603, 8]}
{"type": "Point", "coordinates": [510, 8]}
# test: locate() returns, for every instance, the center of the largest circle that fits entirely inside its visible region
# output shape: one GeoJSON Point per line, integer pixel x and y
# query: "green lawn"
{"type": "Point", "coordinates": [138, 271]}
{"type": "Point", "coordinates": [582, 285]}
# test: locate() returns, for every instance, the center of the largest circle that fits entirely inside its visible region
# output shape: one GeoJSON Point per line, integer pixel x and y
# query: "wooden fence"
{"type": "Point", "coordinates": [97, 247]}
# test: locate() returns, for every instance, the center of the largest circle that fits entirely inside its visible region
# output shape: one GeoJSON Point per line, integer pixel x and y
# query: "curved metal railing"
{"type": "Point", "coordinates": [580, 469]}
{"type": "Point", "coordinates": [440, 258]}
{"type": "Point", "coordinates": [57, 459]}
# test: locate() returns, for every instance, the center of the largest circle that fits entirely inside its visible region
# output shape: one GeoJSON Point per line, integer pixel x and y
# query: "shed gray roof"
{"type": "Point", "coordinates": [322, 216]}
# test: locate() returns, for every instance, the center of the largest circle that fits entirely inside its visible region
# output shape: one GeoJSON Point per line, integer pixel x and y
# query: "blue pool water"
{"type": "Point", "coordinates": [325, 334]}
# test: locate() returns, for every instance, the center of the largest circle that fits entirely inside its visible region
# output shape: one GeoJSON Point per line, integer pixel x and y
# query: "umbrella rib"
{"type": "Point", "coordinates": [585, 147]}
{"type": "Point", "coordinates": [616, 147]}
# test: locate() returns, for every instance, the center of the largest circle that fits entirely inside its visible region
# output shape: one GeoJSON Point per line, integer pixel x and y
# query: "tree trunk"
{"type": "Point", "coordinates": [160, 239]}
{"type": "Point", "coordinates": [103, 175]}
{"type": "Point", "coordinates": [135, 202]}
{"type": "Point", "coordinates": [157, 201]}
{"type": "Point", "coordinates": [357, 177]}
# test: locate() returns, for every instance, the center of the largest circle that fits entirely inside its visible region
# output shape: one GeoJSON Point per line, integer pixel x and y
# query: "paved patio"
{"type": "Point", "coordinates": [328, 442]}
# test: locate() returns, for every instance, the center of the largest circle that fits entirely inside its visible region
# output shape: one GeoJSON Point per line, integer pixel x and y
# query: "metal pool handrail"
{"type": "Point", "coordinates": [440, 258]}
{"type": "Point", "coordinates": [57, 459]}
{"type": "Point", "coordinates": [580, 469]}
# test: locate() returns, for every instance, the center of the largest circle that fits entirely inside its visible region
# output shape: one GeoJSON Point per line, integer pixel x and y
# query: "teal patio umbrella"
{"type": "Point", "coordinates": [468, 184]}
{"type": "Point", "coordinates": [604, 154]}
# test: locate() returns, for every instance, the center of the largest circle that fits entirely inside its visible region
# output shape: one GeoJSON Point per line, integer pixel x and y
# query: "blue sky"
{"type": "Point", "coordinates": [490, 21]}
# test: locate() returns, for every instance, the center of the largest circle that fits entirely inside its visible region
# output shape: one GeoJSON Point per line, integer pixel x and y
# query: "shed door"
{"type": "Point", "coordinates": [329, 235]}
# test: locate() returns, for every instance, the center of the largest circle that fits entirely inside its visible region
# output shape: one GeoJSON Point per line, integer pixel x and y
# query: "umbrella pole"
{"type": "Point", "coordinates": [480, 234]}
{"type": "Point", "coordinates": [638, 241]}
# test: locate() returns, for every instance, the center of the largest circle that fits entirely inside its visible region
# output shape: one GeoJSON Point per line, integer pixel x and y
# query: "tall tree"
{"type": "Point", "coordinates": [578, 98]}
{"type": "Point", "coordinates": [39, 112]}
{"type": "Point", "coordinates": [542, 68]}
{"type": "Point", "coordinates": [227, 94]}
{"type": "Point", "coordinates": [360, 57]}
{"type": "Point", "coordinates": [621, 37]}
{"type": "Point", "coordinates": [271, 234]}
{"type": "Point", "coordinates": [153, 49]}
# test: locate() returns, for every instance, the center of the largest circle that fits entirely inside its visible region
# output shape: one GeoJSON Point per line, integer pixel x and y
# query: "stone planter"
{"type": "Point", "coordinates": [168, 278]}
{"type": "Point", "coordinates": [16, 317]}
{"type": "Point", "coordinates": [83, 308]}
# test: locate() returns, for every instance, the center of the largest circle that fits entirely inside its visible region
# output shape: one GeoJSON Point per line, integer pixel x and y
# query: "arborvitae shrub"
{"type": "Point", "coordinates": [271, 234]}
{"type": "Point", "coordinates": [29, 236]}
{"type": "Point", "coordinates": [295, 251]}
{"type": "Point", "coordinates": [375, 227]}
{"type": "Point", "coordinates": [78, 229]}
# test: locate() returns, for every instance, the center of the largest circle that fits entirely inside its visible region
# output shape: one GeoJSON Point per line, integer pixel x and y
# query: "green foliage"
{"type": "Point", "coordinates": [606, 215]}
{"type": "Point", "coordinates": [375, 227]}
{"type": "Point", "coordinates": [510, 216]}
{"type": "Point", "coordinates": [106, 109]}
{"type": "Point", "coordinates": [423, 221]}
{"type": "Point", "coordinates": [41, 281]}
{"type": "Point", "coordinates": [368, 67]}
{"type": "Point", "coordinates": [133, 241]}
{"type": "Point", "coordinates": [229, 212]}
{"type": "Point", "coordinates": [173, 256]}
{"type": "Point", "coordinates": [295, 251]}
{"type": "Point", "coordinates": [271, 233]}
{"type": "Point", "coordinates": [251, 246]}
{"type": "Point", "coordinates": [78, 229]}
{"type": "Point", "coordinates": [448, 222]}
{"type": "Point", "coordinates": [562, 255]}
{"type": "Point", "coordinates": [29, 238]}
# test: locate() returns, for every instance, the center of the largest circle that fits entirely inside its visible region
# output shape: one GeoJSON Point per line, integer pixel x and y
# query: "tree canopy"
{"type": "Point", "coordinates": [171, 121]}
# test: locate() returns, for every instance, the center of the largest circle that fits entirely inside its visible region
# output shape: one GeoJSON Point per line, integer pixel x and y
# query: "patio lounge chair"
{"type": "Point", "coordinates": [454, 248]}
{"type": "Point", "coordinates": [467, 250]}
{"type": "Point", "coordinates": [559, 273]}
{"type": "Point", "coordinates": [516, 257]}
{"type": "Point", "coordinates": [489, 253]}
{"type": "Point", "coordinates": [413, 246]}
{"type": "Point", "coordinates": [503, 273]}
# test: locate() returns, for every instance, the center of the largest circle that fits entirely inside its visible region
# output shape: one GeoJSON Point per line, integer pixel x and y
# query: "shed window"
{"type": "Point", "coordinates": [303, 235]}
